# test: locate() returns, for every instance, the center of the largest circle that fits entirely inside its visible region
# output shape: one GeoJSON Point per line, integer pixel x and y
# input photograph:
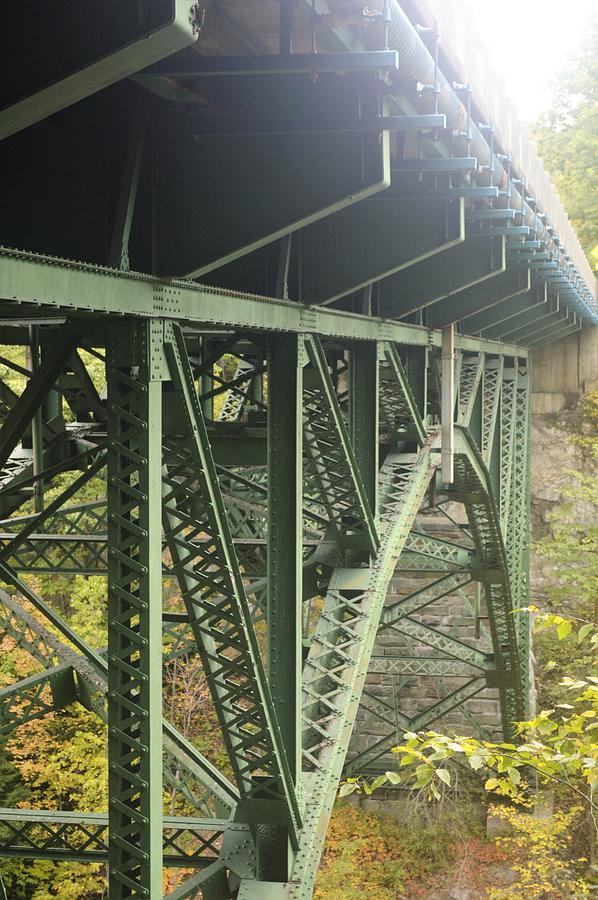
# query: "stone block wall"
{"type": "Point", "coordinates": [563, 373]}
{"type": "Point", "coordinates": [404, 689]}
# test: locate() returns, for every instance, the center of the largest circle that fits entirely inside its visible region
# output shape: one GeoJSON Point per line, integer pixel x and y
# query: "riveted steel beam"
{"type": "Point", "coordinates": [341, 624]}
{"type": "Point", "coordinates": [36, 696]}
{"type": "Point", "coordinates": [30, 278]}
{"type": "Point", "coordinates": [471, 379]}
{"type": "Point", "coordinates": [91, 669]}
{"type": "Point", "coordinates": [493, 377]}
{"type": "Point", "coordinates": [474, 486]}
{"type": "Point", "coordinates": [36, 523]}
{"type": "Point", "coordinates": [557, 333]}
{"type": "Point", "coordinates": [447, 552]}
{"type": "Point", "coordinates": [436, 164]}
{"type": "Point", "coordinates": [217, 608]}
{"type": "Point", "coordinates": [36, 390]}
{"type": "Point", "coordinates": [364, 416]}
{"type": "Point", "coordinates": [134, 379]}
{"type": "Point", "coordinates": [418, 600]}
{"type": "Point", "coordinates": [398, 405]}
{"type": "Point", "coordinates": [340, 649]}
{"type": "Point", "coordinates": [545, 325]}
{"type": "Point", "coordinates": [197, 125]}
{"type": "Point", "coordinates": [285, 527]}
{"type": "Point", "coordinates": [58, 835]}
{"type": "Point", "coordinates": [563, 321]}
{"type": "Point", "coordinates": [330, 458]}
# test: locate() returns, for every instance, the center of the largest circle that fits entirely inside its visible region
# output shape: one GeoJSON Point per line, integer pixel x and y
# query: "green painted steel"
{"type": "Point", "coordinates": [36, 696]}
{"type": "Point", "coordinates": [234, 535]}
{"type": "Point", "coordinates": [216, 604]}
{"type": "Point", "coordinates": [456, 269]}
{"type": "Point", "coordinates": [285, 528]}
{"type": "Point", "coordinates": [404, 231]}
{"type": "Point", "coordinates": [330, 457]}
{"type": "Point", "coordinates": [466, 303]}
{"type": "Point", "coordinates": [267, 445]}
{"type": "Point", "coordinates": [398, 405]}
{"type": "Point", "coordinates": [84, 837]}
{"type": "Point", "coordinates": [364, 391]}
{"type": "Point", "coordinates": [340, 650]}
{"type": "Point", "coordinates": [37, 389]}
{"type": "Point", "coordinates": [184, 768]}
{"type": "Point", "coordinates": [180, 29]}
{"type": "Point", "coordinates": [134, 374]}
{"type": "Point", "coordinates": [61, 283]}
{"type": "Point", "coordinates": [510, 309]}
{"type": "Point", "coordinates": [478, 562]}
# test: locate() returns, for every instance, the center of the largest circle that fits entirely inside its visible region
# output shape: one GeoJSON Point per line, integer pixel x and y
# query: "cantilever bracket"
{"type": "Point", "coordinates": [181, 31]}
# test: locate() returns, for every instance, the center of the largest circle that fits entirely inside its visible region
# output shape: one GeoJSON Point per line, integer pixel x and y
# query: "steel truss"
{"type": "Point", "coordinates": [304, 520]}
{"type": "Point", "coordinates": [266, 455]}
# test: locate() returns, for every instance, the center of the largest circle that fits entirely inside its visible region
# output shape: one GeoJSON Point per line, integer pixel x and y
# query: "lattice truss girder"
{"type": "Point", "coordinates": [415, 687]}
{"type": "Point", "coordinates": [375, 567]}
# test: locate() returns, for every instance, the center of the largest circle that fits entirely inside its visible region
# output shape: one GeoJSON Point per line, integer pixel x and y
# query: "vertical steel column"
{"type": "Point", "coordinates": [527, 627]}
{"type": "Point", "coordinates": [508, 403]}
{"type": "Point", "coordinates": [285, 575]}
{"type": "Point", "coordinates": [217, 606]}
{"type": "Point", "coordinates": [37, 439]}
{"type": "Point", "coordinates": [364, 415]}
{"type": "Point", "coordinates": [285, 536]}
{"type": "Point", "coordinates": [206, 382]}
{"type": "Point", "coordinates": [135, 610]}
{"type": "Point", "coordinates": [448, 404]}
{"type": "Point", "coordinates": [519, 522]}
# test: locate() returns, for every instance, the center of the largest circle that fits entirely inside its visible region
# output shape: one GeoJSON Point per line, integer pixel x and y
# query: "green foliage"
{"type": "Point", "coordinates": [367, 855]}
{"type": "Point", "coordinates": [573, 546]}
{"type": "Point", "coordinates": [12, 789]}
{"type": "Point", "coordinates": [570, 549]}
{"type": "Point", "coordinates": [63, 757]}
{"type": "Point", "coordinates": [59, 762]}
{"type": "Point", "coordinates": [567, 138]}
{"type": "Point", "coordinates": [45, 880]}
{"type": "Point", "coordinates": [558, 745]}
{"type": "Point", "coordinates": [540, 851]}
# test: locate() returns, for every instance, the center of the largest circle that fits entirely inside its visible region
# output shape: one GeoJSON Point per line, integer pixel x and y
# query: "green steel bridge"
{"type": "Point", "coordinates": [338, 202]}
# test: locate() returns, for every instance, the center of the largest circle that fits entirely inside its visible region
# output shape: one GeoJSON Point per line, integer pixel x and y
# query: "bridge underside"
{"type": "Point", "coordinates": [312, 309]}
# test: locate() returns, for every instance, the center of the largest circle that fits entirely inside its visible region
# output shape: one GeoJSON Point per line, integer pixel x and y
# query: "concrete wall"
{"type": "Point", "coordinates": [564, 371]}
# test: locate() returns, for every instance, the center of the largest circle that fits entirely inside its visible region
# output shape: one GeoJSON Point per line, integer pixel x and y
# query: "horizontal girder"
{"type": "Point", "coordinates": [63, 284]}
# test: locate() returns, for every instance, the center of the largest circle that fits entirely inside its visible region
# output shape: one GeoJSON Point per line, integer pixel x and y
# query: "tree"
{"type": "Point", "coordinates": [567, 139]}
{"type": "Point", "coordinates": [557, 747]}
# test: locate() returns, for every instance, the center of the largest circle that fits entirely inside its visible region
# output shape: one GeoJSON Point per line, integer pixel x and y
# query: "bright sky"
{"type": "Point", "coordinates": [531, 41]}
